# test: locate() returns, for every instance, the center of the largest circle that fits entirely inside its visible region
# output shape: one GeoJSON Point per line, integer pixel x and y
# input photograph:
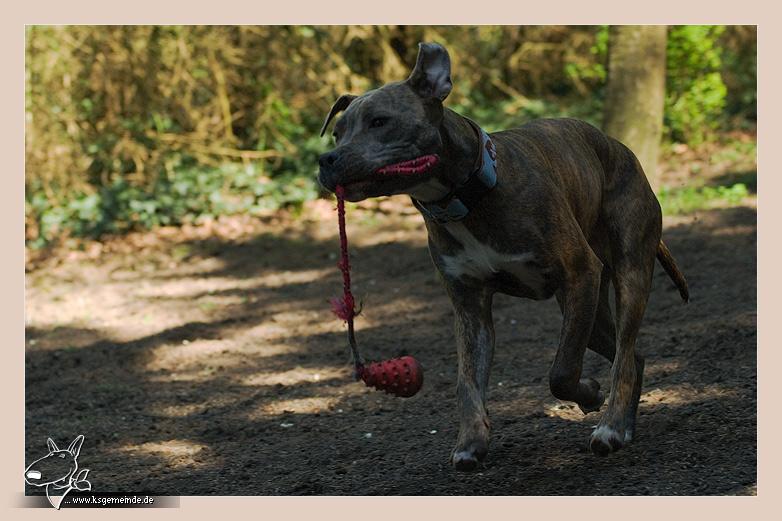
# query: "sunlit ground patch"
{"type": "Point", "coordinates": [327, 399]}
{"type": "Point", "coordinates": [196, 286]}
{"type": "Point", "coordinates": [191, 360]}
{"type": "Point", "coordinates": [685, 394]}
{"type": "Point", "coordinates": [204, 359]}
{"type": "Point", "coordinates": [181, 411]}
{"type": "Point", "coordinates": [673, 395]}
{"type": "Point", "coordinates": [295, 376]}
{"type": "Point", "coordinates": [211, 285]}
{"type": "Point", "coordinates": [564, 410]}
{"type": "Point", "coordinates": [296, 406]}
{"type": "Point", "coordinates": [176, 453]}
{"type": "Point", "coordinates": [284, 278]}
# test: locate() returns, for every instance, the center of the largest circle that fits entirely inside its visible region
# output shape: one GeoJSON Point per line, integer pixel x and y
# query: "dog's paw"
{"type": "Point", "coordinates": [598, 397]}
{"type": "Point", "coordinates": [605, 440]}
{"type": "Point", "coordinates": [466, 460]}
{"type": "Point", "coordinates": [468, 457]}
{"type": "Point", "coordinates": [472, 445]}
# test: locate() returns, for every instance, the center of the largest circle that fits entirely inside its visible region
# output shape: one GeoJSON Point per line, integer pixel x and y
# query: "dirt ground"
{"type": "Point", "coordinates": [206, 361]}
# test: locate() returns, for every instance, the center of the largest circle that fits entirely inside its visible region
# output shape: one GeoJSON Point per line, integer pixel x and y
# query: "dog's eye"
{"type": "Point", "coordinates": [378, 122]}
{"type": "Point", "coordinates": [62, 456]}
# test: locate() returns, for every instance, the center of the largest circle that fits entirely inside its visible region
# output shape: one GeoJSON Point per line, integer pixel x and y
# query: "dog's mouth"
{"type": "Point", "coordinates": [419, 165]}
{"type": "Point", "coordinates": [386, 179]}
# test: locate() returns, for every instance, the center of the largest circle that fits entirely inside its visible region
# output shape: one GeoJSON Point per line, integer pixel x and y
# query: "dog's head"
{"type": "Point", "coordinates": [388, 139]}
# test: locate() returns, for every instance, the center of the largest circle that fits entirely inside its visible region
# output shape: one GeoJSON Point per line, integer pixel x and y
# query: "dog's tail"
{"type": "Point", "coordinates": [670, 267]}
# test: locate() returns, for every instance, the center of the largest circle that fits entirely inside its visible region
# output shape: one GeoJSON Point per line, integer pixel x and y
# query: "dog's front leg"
{"type": "Point", "coordinates": [475, 347]}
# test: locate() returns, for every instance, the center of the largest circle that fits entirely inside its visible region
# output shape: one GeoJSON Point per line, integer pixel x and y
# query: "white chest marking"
{"type": "Point", "coordinates": [481, 261]}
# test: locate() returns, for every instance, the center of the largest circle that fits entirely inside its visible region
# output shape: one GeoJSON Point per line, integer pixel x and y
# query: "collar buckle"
{"type": "Point", "coordinates": [455, 210]}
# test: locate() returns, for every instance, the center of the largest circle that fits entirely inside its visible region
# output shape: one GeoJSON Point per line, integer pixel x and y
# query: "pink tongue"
{"type": "Point", "coordinates": [413, 166]}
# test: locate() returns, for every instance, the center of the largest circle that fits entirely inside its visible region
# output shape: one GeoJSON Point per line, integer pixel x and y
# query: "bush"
{"type": "Point", "coordinates": [191, 193]}
{"type": "Point", "coordinates": [695, 92]}
{"type": "Point", "coordinates": [136, 126]}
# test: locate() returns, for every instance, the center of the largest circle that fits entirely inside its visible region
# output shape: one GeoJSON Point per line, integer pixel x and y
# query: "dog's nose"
{"type": "Point", "coordinates": [33, 474]}
{"type": "Point", "coordinates": [327, 159]}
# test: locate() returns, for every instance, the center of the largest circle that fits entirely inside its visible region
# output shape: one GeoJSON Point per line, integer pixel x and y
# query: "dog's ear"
{"type": "Point", "coordinates": [339, 105]}
{"type": "Point", "coordinates": [75, 446]}
{"type": "Point", "coordinates": [431, 77]}
{"type": "Point", "coordinates": [52, 446]}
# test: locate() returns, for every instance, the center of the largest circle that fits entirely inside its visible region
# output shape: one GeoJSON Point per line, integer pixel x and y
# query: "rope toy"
{"type": "Point", "coordinates": [402, 376]}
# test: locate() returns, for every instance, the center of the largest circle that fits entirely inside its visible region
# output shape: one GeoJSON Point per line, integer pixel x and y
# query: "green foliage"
{"type": "Point", "coordinates": [191, 193]}
{"type": "Point", "coordinates": [594, 69]}
{"type": "Point", "coordinates": [739, 71]}
{"type": "Point", "coordinates": [139, 126]}
{"type": "Point", "coordinates": [691, 198]}
{"type": "Point", "coordinates": [695, 92]}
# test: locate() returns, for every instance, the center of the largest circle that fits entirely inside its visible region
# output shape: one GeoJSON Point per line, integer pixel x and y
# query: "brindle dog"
{"type": "Point", "coordinates": [571, 213]}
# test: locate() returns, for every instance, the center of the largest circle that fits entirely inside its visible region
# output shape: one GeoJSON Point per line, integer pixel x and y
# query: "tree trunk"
{"type": "Point", "coordinates": [635, 92]}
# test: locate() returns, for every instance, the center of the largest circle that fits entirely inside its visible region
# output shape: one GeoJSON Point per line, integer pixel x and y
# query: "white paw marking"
{"type": "Point", "coordinates": [464, 455]}
{"type": "Point", "coordinates": [480, 260]}
{"type": "Point", "coordinates": [605, 434]}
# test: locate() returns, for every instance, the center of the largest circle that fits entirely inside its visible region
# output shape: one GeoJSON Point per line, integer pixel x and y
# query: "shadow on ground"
{"type": "Point", "coordinates": [246, 390]}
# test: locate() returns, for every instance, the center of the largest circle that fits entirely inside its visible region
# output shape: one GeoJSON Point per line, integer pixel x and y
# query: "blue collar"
{"type": "Point", "coordinates": [457, 204]}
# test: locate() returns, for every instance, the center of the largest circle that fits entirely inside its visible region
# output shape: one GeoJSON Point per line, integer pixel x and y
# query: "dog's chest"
{"type": "Point", "coordinates": [482, 262]}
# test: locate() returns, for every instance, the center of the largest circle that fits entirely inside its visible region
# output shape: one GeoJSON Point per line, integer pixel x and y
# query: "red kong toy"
{"type": "Point", "coordinates": [401, 377]}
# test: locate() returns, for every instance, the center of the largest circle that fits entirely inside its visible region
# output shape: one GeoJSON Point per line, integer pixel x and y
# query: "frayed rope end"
{"type": "Point", "coordinates": [343, 307]}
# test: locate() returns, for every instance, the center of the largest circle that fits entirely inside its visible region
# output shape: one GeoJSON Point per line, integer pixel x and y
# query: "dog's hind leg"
{"type": "Point", "coordinates": [633, 251]}
{"type": "Point", "coordinates": [632, 280]}
{"type": "Point", "coordinates": [603, 337]}
{"type": "Point", "coordinates": [578, 299]}
{"type": "Point", "coordinates": [603, 342]}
